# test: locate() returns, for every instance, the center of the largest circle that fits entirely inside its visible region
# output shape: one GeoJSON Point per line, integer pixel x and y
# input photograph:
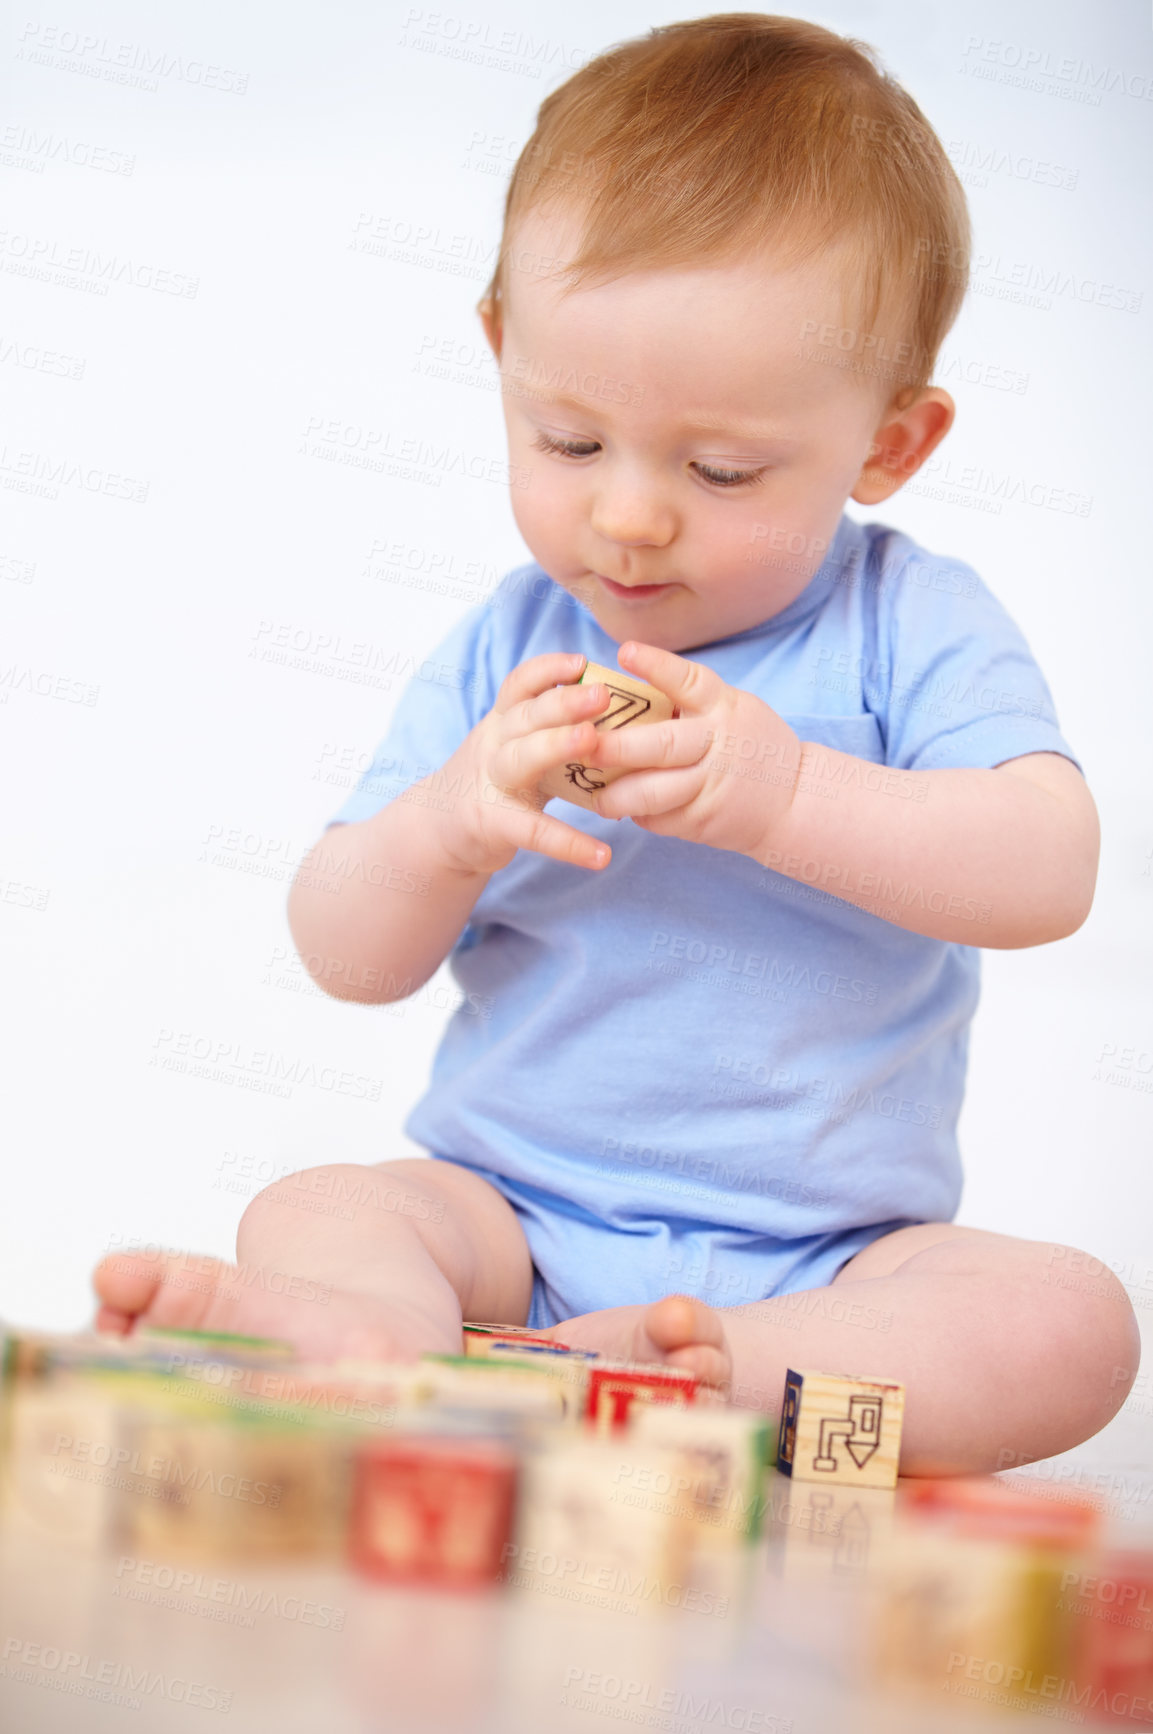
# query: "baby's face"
{"type": "Point", "coordinates": [687, 464]}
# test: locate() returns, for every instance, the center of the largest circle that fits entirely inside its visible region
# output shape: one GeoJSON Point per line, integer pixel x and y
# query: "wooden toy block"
{"type": "Point", "coordinates": [569, 1368]}
{"type": "Point", "coordinates": [249, 1490]}
{"type": "Point", "coordinates": [613, 1389]}
{"type": "Point", "coordinates": [724, 1452]}
{"type": "Point", "coordinates": [479, 1340]}
{"type": "Point", "coordinates": [834, 1427]}
{"type": "Point", "coordinates": [1004, 1508]}
{"type": "Point", "coordinates": [630, 701]}
{"type": "Point", "coordinates": [431, 1511]}
{"type": "Point", "coordinates": [1111, 1600]}
{"type": "Point", "coordinates": [593, 1528]}
{"type": "Point", "coordinates": [460, 1381]}
{"type": "Point", "coordinates": [63, 1446]}
{"type": "Point", "coordinates": [971, 1617]}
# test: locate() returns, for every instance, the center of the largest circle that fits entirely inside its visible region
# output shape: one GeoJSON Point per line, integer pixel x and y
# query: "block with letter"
{"type": "Point", "coordinates": [614, 1387]}
{"type": "Point", "coordinates": [838, 1428]}
{"type": "Point", "coordinates": [433, 1511]}
{"type": "Point", "coordinates": [630, 702]}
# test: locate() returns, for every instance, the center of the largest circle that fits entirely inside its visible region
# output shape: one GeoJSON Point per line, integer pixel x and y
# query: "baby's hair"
{"type": "Point", "coordinates": [706, 140]}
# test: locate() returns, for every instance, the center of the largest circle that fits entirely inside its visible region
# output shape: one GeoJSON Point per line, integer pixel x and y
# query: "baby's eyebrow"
{"type": "Point", "coordinates": [694, 421]}
{"type": "Point", "coordinates": [701, 421]}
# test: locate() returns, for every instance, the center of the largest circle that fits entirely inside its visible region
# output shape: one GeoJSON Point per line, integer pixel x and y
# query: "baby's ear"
{"type": "Point", "coordinates": [490, 319]}
{"type": "Point", "coordinates": [907, 435]}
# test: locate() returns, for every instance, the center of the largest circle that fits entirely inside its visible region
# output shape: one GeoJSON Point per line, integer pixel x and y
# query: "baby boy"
{"type": "Point", "coordinates": [699, 1102]}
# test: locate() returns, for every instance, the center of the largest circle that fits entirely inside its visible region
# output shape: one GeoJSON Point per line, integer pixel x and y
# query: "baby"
{"type": "Point", "coordinates": [698, 1104]}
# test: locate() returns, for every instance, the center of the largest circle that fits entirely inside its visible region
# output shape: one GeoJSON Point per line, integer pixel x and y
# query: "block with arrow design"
{"type": "Point", "coordinates": [835, 1428]}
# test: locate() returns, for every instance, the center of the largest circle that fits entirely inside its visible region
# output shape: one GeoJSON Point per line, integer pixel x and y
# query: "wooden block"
{"type": "Point", "coordinates": [1004, 1508]}
{"type": "Point", "coordinates": [460, 1381]}
{"type": "Point", "coordinates": [63, 1448]}
{"type": "Point", "coordinates": [251, 1490]}
{"type": "Point", "coordinates": [630, 701]}
{"type": "Point", "coordinates": [613, 1389]}
{"type": "Point", "coordinates": [431, 1511]}
{"type": "Point", "coordinates": [587, 1532]}
{"type": "Point", "coordinates": [837, 1428]}
{"type": "Point", "coordinates": [980, 1620]}
{"type": "Point", "coordinates": [569, 1368]}
{"type": "Point", "coordinates": [479, 1339]}
{"type": "Point", "coordinates": [724, 1452]}
{"type": "Point", "coordinates": [1111, 1600]}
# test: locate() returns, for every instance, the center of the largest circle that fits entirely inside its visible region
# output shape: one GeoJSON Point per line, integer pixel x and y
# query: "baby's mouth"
{"type": "Point", "coordinates": [633, 592]}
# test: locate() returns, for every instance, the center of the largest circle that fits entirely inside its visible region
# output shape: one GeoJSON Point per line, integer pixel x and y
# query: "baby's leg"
{"type": "Point", "coordinates": [1008, 1354]}
{"type": "Point", "coordinates": [376, 1262]}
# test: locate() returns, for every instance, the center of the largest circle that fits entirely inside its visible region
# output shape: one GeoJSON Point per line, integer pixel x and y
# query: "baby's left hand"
{"type": "Point", "coordinates": [722, 772]}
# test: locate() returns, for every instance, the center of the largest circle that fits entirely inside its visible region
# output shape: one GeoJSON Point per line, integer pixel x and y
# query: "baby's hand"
{"type": "Point", "coordinates": [721, 773]}
{"type": "Point", "coordinates": [534, 726]}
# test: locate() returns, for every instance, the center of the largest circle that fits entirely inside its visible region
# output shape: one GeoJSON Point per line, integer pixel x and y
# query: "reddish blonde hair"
{"type": "Point", "coordinates": [706, 140]}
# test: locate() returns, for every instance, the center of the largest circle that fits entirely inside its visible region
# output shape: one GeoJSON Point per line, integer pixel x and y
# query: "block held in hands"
{"type": "Point", "coordinates": [630, 701]}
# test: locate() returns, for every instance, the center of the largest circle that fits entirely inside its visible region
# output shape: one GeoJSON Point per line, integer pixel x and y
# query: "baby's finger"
{"type": "Point", "coordinates": [536, 675]}
{"type": "Point", "coordinates": [545, 835]}
{"type": "Point", "coordinates": [522, 760]}
{"type": "Point", "coordinates": [692, 686]}
{"type": "Point", "coordinates": [645, 794]}
{"type": "Point", "coordinates": [554, 708]}
{"type": "Point", "coordinates": [653, 746]}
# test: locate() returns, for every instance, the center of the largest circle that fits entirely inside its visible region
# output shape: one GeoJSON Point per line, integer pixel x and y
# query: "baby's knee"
{"type": "Point", "coordinates": [1100, 1335]}
{"type": "Point", "coordinates": [331, 1189]}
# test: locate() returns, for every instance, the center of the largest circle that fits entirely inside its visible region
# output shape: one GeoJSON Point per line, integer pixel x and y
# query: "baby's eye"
{"type": "Point", "coordinates": [728, 478]}
{"type": "Point", "coordinates": [568, 448]}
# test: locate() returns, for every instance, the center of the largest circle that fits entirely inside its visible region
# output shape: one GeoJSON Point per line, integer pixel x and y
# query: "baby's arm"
{"type": "Point", "coordinates": [1004, 857]}
{"type": "Point", "coordinates": [376, 907]}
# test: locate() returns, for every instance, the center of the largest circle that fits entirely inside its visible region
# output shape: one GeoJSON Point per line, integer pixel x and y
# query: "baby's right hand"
{"type": "Point", "coordinates": [492, 777]}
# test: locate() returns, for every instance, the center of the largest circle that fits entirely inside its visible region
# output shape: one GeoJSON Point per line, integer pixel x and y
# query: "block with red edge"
{"type": "Point", "coordinates": [614, 1388]}
{"type": "Point", "coordinates": [1111, 1601]}
{"type": "Point", "coordinates": [973, 1594]}
{"type": "Point", "coordinates": [838, 1428]}
{"type": "Point", "coordinates": [1003, 1508]}
{"type": "Point", "coordinates": [434, 1511]}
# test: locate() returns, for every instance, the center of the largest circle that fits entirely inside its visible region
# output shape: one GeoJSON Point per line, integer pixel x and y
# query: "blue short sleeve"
{"type": "Point", "coordinates": [954, 682]}
{"type": "Point", "coordinates": [447, 695]}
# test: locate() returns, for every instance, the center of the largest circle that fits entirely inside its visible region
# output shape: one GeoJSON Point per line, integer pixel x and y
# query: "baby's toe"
{"type": "Point", "coordinates": [172, 1289]}
{"type": "Point", "coordinates": [680, 1322]}
{"type": "Point", "coordinates": [712, 1366]}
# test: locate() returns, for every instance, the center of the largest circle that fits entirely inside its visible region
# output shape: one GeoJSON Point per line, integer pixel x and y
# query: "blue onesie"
{"type": "Point", "coordinates": [688, 1072]}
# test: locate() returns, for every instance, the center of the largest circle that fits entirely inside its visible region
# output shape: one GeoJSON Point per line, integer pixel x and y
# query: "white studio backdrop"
{"type": "Point", "coordinates": [240, 249]}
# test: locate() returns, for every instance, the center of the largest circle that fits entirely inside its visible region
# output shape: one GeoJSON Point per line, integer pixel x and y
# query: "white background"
{"type": "Point", "coordinates": [132, 922]}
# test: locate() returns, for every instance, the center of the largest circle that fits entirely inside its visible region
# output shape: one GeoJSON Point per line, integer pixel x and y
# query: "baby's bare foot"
{"type": "Point", "coordinates": [182, 1291]}
{"type": "Point", "coordinates": [676, 1332]}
